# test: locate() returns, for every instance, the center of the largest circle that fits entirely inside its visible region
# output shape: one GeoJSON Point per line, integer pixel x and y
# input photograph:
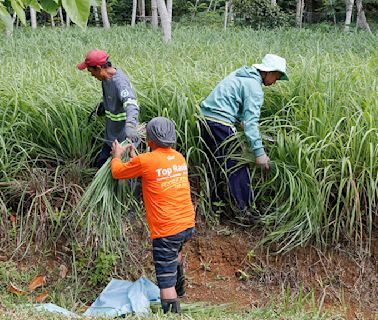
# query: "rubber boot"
{"type": "Point", "coordinates": [180, 283]}
{"type": "Point", "coordinates": [171, 305]}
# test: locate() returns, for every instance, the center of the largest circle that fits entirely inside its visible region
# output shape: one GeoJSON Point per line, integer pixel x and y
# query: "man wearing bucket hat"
{"type": "Point", "coordinates": [169, 208]}
{"type": "Point", "coordinates": [119, 103]}
{"type": "Point", "coordinates": [237, 99]}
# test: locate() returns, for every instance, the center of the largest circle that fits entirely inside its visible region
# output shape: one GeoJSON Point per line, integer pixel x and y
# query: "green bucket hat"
{"type": "Point", "coordinates": [272, 62]}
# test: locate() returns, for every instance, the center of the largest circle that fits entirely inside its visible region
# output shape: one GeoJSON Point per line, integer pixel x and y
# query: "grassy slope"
{"type": "Point", "coordinates": [324, 120]}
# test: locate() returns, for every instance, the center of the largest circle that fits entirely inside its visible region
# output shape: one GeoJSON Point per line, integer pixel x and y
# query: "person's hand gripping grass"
{"type": "Point", "coordinates": [118, 150]}
{"type": "Point", "coordinates": [263, 162]}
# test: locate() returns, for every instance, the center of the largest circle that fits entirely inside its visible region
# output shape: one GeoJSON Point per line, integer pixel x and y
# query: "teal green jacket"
{"type": "Point", "coordinates": [238, 98]}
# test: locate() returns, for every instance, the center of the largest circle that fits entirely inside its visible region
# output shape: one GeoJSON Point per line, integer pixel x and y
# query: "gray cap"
{"type": "Point", "coordinates": [161, 131]}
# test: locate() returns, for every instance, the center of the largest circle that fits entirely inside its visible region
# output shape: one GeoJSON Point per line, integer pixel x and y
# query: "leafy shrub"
{"type": "Point", "coordinates": [97, 269]}
{"type": "Point", "coordinates": [213, 18]}
{"type": "Point", "coordinates": [260, 13]}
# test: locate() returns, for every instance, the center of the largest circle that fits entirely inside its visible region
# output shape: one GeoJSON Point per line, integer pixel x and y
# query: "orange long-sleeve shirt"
{"type": "Point", "coordinates": [166, 189]}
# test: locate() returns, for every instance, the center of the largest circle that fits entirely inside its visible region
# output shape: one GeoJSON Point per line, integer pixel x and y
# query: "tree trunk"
{"type": "Point", "coordinates": [164, 19]}
{"type": "Point", "coordinates": [309, 18]}
{"type": "Point", "coordinates": [133, 15]}
{"type": "Point", "coordinates": [9, 32]}
{"type": "Point", "coordinates": [348, 16]}
{"type": "Point", "coordinates": [209, 7]}
{"type": "Point", "coordinates": [299, 13]}
{"type": "Point", "coordinates": [361, 18]}
{"type": "Point", "coordinates": [142, 10]}
{"type": "Point", "coordinates": [195, 10]}
{"type": "Point", "coordinates": [231, 12]}
{"type": "Point", "coordinates": [226, 14]}
{"type": "Point", "coordinates": [16, 20]}
{"type": "Point", "coordinates": [154, 14]}
{"type": "Point", "coordinates": [61, 16]}
{"type": "Point", "coordinates": [33, 18]}
{"type": "Point", "coordinates": [68, 20]}
{"type": "Point", "coordinates": [104, 15]}
{"type": "Point", "coordinates": [52, 20]}
{"type": "Point", "coordinates": [95, 13]}
{"type": "Point", "coordinates": [169, 9]}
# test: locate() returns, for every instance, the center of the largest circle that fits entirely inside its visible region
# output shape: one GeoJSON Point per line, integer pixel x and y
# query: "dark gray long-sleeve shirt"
{"type": "Point", "coordinates": [121, 106]}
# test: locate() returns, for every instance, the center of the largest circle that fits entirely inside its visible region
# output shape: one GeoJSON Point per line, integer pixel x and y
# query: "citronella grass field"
{"type": "Point", "coordinates": [320, 129]}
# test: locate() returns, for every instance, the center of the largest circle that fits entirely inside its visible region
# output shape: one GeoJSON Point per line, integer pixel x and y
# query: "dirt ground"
{"type": "Point", "coordinates": [223, 267]}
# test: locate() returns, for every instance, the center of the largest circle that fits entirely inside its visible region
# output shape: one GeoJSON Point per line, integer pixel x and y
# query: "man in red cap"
{"type": "Point", "coordinates": [119, 103]}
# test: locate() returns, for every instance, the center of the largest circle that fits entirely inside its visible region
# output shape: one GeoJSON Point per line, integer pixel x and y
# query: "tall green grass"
{"type": "Point", "coordinates": [324, 177]}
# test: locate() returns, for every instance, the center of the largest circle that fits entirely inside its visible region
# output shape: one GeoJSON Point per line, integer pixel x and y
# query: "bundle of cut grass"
{"type": "Point", "coordinates": [107, 204]}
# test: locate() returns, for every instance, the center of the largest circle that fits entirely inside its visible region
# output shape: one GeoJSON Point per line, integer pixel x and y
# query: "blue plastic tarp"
{"type": "Point", "coordinates": [55, 309]}
{"type": "Point", "coordinates": [118, 298]}
{"type": "Point", "coordinates": [122, 296]}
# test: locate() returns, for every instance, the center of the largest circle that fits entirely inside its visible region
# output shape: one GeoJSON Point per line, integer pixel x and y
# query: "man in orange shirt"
{"type": "Point", "coordinates": [169, 208]}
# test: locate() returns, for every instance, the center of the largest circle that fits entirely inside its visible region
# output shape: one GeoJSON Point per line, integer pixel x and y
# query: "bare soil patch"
{"type": "Point", "coordinates": [223, 267]}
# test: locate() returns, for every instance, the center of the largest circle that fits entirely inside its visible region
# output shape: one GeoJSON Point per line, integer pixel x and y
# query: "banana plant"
{"type": "Point", "coordinates": [77, 10]}
{"type": "Point", "coordinates": [6, 21]}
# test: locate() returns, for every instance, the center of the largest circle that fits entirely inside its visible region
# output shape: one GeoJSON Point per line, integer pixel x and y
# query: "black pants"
{"type": "Point", "coordinates": [103, 156]}
{"type": "Point", "coordinates": [239, 182]}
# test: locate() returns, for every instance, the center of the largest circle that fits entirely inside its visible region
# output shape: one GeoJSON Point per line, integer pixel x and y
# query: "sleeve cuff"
{"type": "Point", "coordinates": [115, 160]}
{"type": "Point", "coordinates": [132, 121]}
{"type": "Point", "coordinates": [259, 152]}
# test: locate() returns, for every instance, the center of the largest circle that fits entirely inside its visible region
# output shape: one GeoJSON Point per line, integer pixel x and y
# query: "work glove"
{"type": "Point", "coordinates": [263, 162]}
{"type": "Point", "coordinates": [131, 133]}
{"type": "Point", "coordinates": [99, 110]}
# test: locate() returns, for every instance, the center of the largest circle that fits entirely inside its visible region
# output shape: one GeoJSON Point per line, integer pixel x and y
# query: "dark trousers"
{"type": "Point", "coordinates": [103, 156]}
{"type": "Point", "coordinates": [165, 252]}
{"type": "Point", "coordinates": [214, 135]}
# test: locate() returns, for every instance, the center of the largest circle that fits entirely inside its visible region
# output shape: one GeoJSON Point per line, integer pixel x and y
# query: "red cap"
{"type": "Point", "coordinates": [94, 58]}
